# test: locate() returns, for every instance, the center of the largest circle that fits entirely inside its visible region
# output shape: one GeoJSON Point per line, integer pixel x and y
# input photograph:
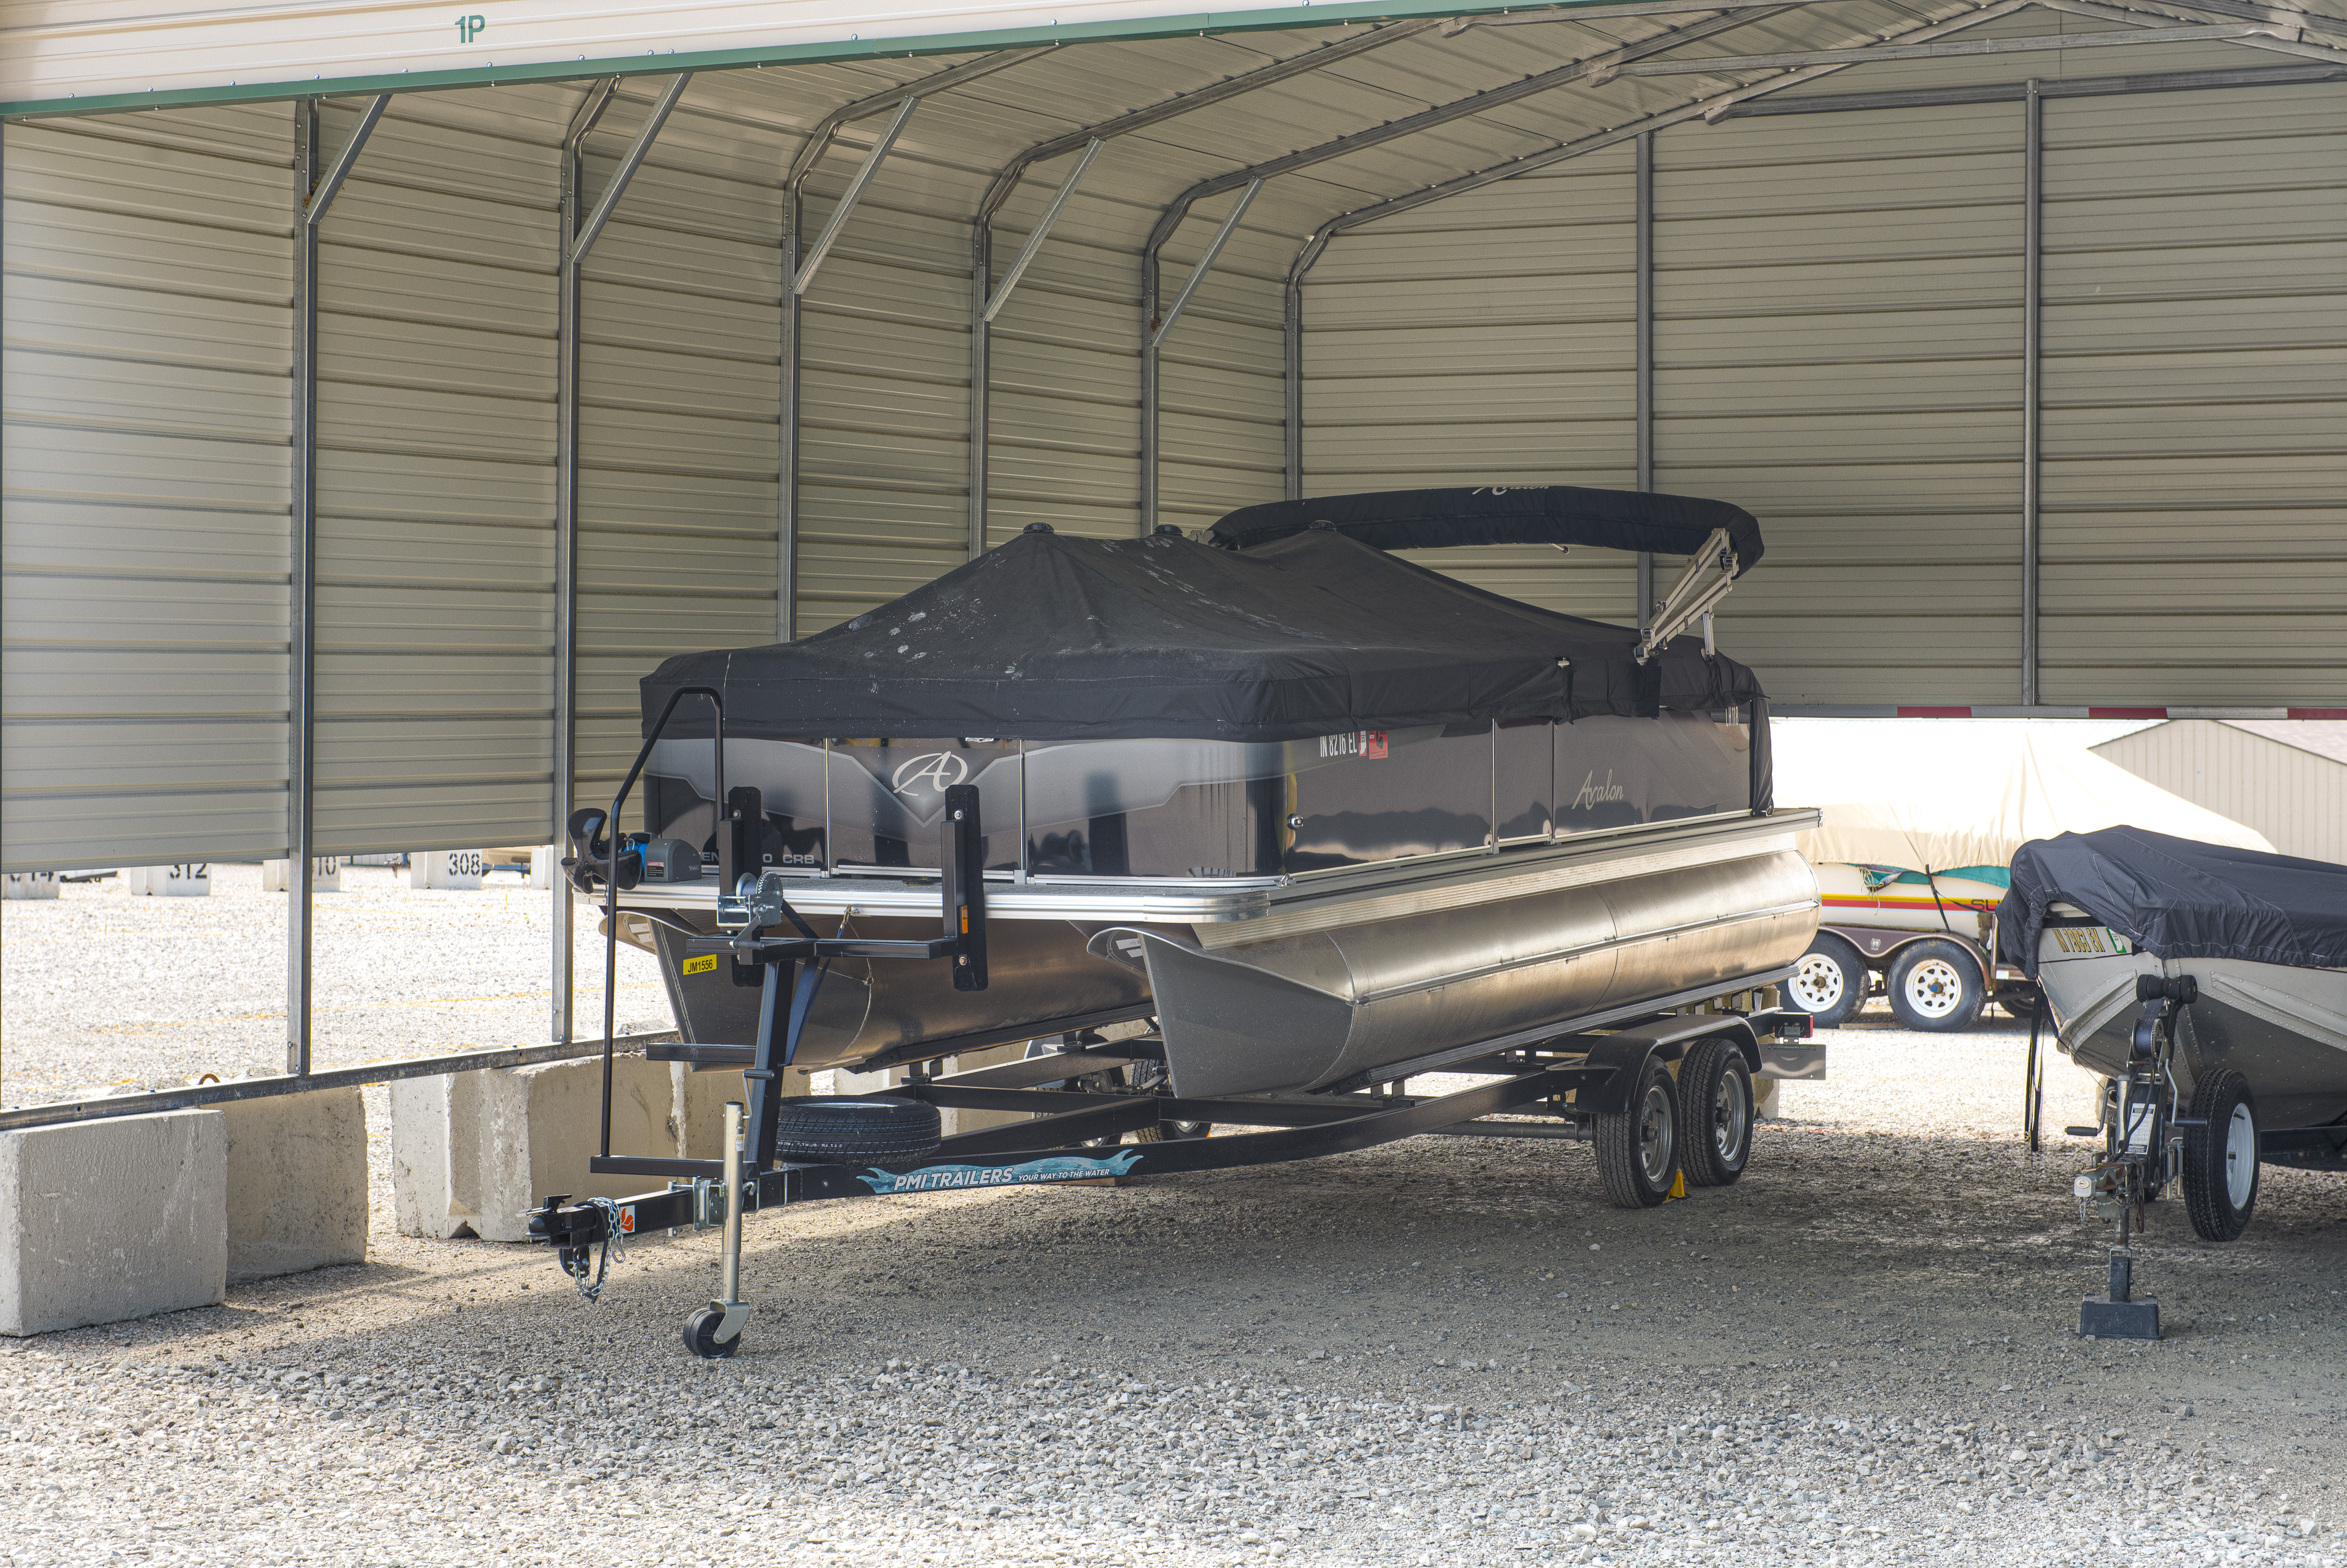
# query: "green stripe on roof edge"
{"type": "Point", "coordinates": [1289, 18]}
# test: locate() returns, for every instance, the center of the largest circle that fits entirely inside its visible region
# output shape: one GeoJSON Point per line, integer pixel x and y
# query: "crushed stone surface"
{"type": "Point", "coordinates": [1442, 1351]}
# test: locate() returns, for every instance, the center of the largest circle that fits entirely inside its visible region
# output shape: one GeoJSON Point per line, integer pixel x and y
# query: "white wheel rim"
{"type": "Point", "coordinates": [1935, 988]}
{"type": "Point", "coordinates": [2241, 1157]}
{"type": "Point", "coordinates": [1817, 984]}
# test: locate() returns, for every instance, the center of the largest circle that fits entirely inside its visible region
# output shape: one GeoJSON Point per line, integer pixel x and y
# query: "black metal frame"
{"type": "Point", "coordinates": [1058, 1145]}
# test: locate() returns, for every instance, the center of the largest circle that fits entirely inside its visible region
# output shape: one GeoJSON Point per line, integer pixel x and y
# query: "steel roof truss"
{"type": "Point", "coordinates": [1042, 230]}
{"type": "Point", "coordinates": [592, 229]}
{"type": "Point", "coordinates": [851, 196]}
{"type": "Point", "coordinates": [1597, 68]}
{"type": "Point", "coordinates": [1207, 261]}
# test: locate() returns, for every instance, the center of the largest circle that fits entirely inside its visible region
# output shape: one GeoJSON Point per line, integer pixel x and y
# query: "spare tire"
{"type": "Point", "coordinates": [857, 1131]}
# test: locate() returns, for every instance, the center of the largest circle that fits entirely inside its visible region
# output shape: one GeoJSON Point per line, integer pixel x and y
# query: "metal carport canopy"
{"type": "Point", "coordinates": [2020, 325]}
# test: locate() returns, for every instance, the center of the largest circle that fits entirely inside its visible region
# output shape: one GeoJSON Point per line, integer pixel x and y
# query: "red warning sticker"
{"type": "Point", "coordinates": [1373, 742]}
{"type": "Point", "coordinates": [628, 1219]}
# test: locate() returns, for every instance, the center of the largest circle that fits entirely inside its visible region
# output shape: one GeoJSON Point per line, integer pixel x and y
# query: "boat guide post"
{"type": "Point", "coordinates": [2143, 1152]}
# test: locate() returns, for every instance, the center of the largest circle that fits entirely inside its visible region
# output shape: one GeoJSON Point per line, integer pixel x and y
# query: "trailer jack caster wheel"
{"type": "Point", "coordinates": [701, 1330]}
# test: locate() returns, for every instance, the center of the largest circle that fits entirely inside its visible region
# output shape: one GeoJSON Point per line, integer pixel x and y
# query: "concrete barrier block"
{"type": "Point", "coordinates": [188, 880]}
{"type": "Point", "coordinates": [297, 1183]}
{"type": "Point", "coordinates": [453, 870]}
{"type": "Point", "coordinates": [26, 885]}
{"type": "Point", "coordinates": [325, 875]}
{"type": "Point", "coordinates": [472, 1152]}
{"type": "Point", "coordinates": [113, 1219]}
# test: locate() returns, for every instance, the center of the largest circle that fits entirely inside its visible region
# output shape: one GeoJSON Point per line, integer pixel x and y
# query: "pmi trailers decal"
{"type": "Point", "coordinates": [949, 1178]}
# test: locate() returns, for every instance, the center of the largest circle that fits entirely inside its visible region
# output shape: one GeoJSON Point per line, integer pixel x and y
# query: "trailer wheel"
{"type": "Point", "coordinates": [856, 1131]}
{"type": "Point", "coordinates": [1829, 983]}
{"type": "Point", "coordinates": [1638, 1149]}
{"type": "Point", "coordinates": [2220, 1157]}
{"type": "Point", "coordinates": [1936, 987]}
{"type": "Point", "coordinates": [1714, 1078]}
{"type": "Point", "coordinates": [700, 1336]}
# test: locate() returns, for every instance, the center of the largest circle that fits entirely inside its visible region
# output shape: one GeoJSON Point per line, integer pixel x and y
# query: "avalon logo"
{"type": "Point", "coordinates": [1592, 793]}
{"type": "Point", "coordinates": [938, 771]}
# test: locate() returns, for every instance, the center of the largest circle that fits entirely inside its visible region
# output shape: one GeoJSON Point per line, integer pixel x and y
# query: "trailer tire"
{"type": "Point", "coordinates": [856, 1131]}
{"type": "Point", "coordinates": [1715, 1113]}
{"type": "Point", "coordinates": [1936, 987]}
{"type": "Point", "coordinates": [2220, 1157]}
{"type": "Point", "coordinates": [1638, 1149]}
{"type": "Point", "coordinates": [1829, 981]}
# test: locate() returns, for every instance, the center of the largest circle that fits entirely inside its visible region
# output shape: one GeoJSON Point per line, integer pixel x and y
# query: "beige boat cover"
{"type": "Point", "coordinates": [1899, 794]}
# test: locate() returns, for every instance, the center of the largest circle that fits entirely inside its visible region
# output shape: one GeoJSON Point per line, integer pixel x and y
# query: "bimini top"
{"type": "Point", "coordinates": [1504, 515]}
{"type": "Point", "coordinates": [2177, 899]}
{"type": "Point", "coordinates": [1054, 637]}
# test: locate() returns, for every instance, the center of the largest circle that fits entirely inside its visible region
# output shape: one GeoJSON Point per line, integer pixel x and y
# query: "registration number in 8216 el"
{"type": "Point", "coordinates": [2090, 940]}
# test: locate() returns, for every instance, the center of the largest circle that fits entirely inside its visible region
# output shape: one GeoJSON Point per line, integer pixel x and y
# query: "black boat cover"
{"type": "Point", "coordinates": [1504, 515]}
{"type": "Point", "coordinates": [2178, 898]}
{"type": "Point", "coordinates": [1054, 637]}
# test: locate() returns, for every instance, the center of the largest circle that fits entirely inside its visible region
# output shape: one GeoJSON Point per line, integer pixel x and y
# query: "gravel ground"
{"type": "Point", "coordinates": [1443, 1351]}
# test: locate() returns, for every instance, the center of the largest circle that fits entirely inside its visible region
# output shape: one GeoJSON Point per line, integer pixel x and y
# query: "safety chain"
{"type": "Point", "coordinates": [614, 1245]}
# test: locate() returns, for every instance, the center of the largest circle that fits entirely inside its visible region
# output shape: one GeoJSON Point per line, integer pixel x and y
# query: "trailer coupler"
{"type": "Point", "coordinates": [576, 1232]}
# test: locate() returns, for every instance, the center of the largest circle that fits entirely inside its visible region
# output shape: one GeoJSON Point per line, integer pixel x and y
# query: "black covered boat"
{"type": "Point", "coordinates": [1316, 808]}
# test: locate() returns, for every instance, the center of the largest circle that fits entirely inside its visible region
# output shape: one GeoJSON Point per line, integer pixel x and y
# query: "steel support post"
{"type": "Point", "coordinates": [317, 183]}
{"type": "Point", "coordinates": [1293, 321]}
{"type": "Point", "coordinates": [565, 536]}
{"type": "Point", "coordinates": [1148, 397]}
{"type": "Point", "coordinates": [786, 456]}
{"type": "Point", "coordinates": [1646, 357]}
{"type": "Point", "coordinates": [1153, 333]}
{"type": "Point", "coordinates": [2032, 185]}
{"type": "Point", "coordinates": [301, 598]}
{"type": "Point", "coordinates": [981, 379]}
{"type": "Point", "coordinates": [565, 582]}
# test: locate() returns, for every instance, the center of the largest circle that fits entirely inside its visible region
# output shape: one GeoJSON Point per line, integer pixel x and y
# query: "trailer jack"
{"type": "Point", "coordinates": [2143, 1152]}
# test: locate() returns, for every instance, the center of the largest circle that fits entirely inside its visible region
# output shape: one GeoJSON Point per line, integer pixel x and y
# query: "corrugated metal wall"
{"type": "Point", "coordinates": [149, 355]}
{"type": "Point", "coordinates": [1837, 349]}
{"type": "Point", "coordinates": [436, 474]}
{"type": "Point", "coordinates": [884, 468]}
{"type": "Point", "coordinates": [2295, 796]}
{"type": "Point", "coordinates": [2196, 393]}
{"type": "Point", "coordinates": [1838, 346]}
{"type": "Point", "coordinates": [1490, 339]}
{"type": "Point", "coordinates": [680, 398]}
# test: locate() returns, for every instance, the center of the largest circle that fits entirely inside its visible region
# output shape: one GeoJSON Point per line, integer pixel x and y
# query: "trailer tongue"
{"type": "Point", "coordinates": [1317, 820]}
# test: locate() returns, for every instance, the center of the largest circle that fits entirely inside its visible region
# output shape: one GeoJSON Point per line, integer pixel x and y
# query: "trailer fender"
{"type": "Point", "coordinates": [1628, 1051]}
